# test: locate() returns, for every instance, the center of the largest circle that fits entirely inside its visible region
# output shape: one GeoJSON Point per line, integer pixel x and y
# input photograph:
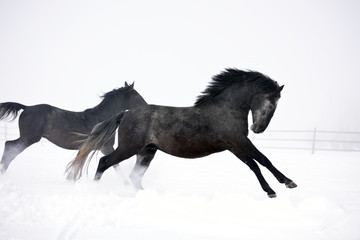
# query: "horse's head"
{"type": "Point", "coordinates": [263, 106]}
{"type": "Point", "coordinates": [121, 99]}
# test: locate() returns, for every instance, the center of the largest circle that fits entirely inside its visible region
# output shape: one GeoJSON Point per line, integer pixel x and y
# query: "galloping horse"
{"type": "Point", "coordinates": [59, 126]}
{"type": "Point", "coordinates": [218, 121]}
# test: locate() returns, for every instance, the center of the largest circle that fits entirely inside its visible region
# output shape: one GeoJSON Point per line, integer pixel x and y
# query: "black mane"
{"type": "Point", "coordinates": [116, 91]}
{"type": "Point", "coordinates": [109, 96]}
{"type": "Point", "coordinates": [231, 75]}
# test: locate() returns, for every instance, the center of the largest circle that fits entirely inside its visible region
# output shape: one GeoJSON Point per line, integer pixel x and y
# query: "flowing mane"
{"type": "Point", "coordinates": [231, 75]}
{"type": "Point", "coordinates": [116, 91]}
{"type": "Point", "coordinates": [109, 96]}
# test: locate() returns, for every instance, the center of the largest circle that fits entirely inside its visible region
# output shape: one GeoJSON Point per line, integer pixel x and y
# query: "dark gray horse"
{"type": "Point", "coordinates": [59, 126]}
{"type": "Point", "coordinates": [218, 121]}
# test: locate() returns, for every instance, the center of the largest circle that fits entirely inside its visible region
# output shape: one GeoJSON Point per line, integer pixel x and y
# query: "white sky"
{"type": "Point", "coordinates": [67, 53]}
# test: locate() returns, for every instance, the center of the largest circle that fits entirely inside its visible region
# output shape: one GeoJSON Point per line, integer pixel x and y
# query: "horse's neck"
{"type": "Point", "coordinates": [135, 101]}
{"type": "Point", "coordinates": [104, 110]}
{"type": "Point", "coordinates": [234, 99]}
{"type": "Point", "coordinates": [109, 107]}
{"type": "Point", "coordinates": [222, 106]}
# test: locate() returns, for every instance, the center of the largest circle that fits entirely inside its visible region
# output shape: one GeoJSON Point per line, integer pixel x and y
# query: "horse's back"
{"type": "Point", "coordinates": [179, 131]}
{"type": "Point", "coordinates": [35, 113]}
{"type": "Point", "coordinates": [55, 124]}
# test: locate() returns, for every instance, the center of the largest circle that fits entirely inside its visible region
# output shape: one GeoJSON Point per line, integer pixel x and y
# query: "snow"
{"type": "Point", "coordinates": [212, 198]}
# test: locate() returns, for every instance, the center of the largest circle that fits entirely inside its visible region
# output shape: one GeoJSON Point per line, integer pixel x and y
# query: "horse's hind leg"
{"type": "Point", "coordinates": [106, 150]}
{"type": "Point", "coordinates": [101, 167]}
{"type": "Point", "coordinates": [117, 156]}
{"type": "Point", "coordinates": [143, 161]}
{"type": "Point", "coordinates": [31, 130]}
{"type": "Point", "coordinates": [255, 168]}
{"type": "Point", "coordinates": [11, 150]}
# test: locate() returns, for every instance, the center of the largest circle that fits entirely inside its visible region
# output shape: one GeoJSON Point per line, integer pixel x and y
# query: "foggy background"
{"type": "Point", "coordinates": [68, 53]}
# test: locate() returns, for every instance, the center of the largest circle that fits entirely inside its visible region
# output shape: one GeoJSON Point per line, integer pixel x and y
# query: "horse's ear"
{"type": "Point", "coordinates": [277, 91]}
{"type": "Point", "coordinates": [132, 85]}
{"type": "Point", "coordinates": [126, 84]}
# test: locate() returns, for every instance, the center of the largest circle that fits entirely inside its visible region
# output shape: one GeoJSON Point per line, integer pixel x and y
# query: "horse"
{"type": "Point", "coordinates": [218, 121]}
{"type": "Point", "coordinates": [59, 126]}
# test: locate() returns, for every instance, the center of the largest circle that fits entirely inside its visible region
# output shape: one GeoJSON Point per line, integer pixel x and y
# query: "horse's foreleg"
{"type": "Point", "coordinates": [11, 150]}
{"type": "Point", "coordinates": [254, 153]}
{"type": "Point", "coordinates": [143, 161]}
{"type": "Point", "coordinates": [255, 168]}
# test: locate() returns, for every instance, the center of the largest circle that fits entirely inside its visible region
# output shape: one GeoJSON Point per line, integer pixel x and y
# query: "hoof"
{"type": "Point", "coordinates": [272, 195]}
{"type": "Point", "coordinates": [97, 177]}
{"type": "Point", "coordinates": [291, 185]}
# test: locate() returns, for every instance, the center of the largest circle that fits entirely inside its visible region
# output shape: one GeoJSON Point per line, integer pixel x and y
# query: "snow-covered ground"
{"type": "Point", "coordinates": [215, 198]}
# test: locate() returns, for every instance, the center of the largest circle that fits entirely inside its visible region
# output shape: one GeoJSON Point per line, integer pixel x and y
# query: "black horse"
{"type": "Point", "coordinates": [59, 126]}
{"type": "Point", "coordinates": [218, 121]}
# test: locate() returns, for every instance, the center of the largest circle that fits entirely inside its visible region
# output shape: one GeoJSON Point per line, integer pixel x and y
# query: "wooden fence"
{"type": "Point", "coordinates": [309, 140]}
{"type": "Point", "coordinates": [10, 131]}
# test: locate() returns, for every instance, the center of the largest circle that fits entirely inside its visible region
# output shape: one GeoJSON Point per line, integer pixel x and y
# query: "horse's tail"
{"type": "Point", "coordinates": [100, 134]}
{"type": "Point", "coordinates": [10, 110]}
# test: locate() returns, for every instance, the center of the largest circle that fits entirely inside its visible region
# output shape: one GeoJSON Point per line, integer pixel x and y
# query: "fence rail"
{"type": "Point", "coordinates": [10, 131]}
{"type": "Point", "coordinates": [310, 140]}
{"type": "Point", "coordinates": [7, 131]}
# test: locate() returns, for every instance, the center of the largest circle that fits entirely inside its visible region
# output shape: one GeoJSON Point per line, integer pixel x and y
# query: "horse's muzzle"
{"type": "Point", "coordinates": [256, 129]}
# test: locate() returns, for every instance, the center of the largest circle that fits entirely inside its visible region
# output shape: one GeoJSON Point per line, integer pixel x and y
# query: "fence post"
{"type": "Point", "coordinates": [314, 141]}
{"type": "Point", "coordinates": [6, 132]}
